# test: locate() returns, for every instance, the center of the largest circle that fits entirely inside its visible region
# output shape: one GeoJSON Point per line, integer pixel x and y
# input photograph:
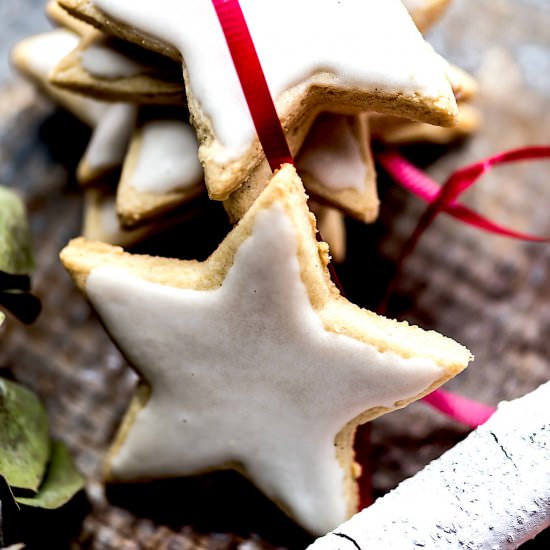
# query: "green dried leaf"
{"type": "Point", "coordinates": [61, 483]}
{"type": "Point", "coordinates": [24, 437]}
{"type": "Point", "coordinates": [16, 255]}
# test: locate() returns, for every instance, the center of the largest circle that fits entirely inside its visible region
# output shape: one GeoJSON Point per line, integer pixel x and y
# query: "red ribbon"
{"type": "Point", "coordinates": [466, 411]}
{"type": "Point", "coordinates": [253, 82]}
{"type": "Point", "coordinates": [444, 199]}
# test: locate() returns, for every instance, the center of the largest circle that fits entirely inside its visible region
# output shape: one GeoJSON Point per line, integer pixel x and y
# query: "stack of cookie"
{"type": "Point", "coordinates": [141, 171]}
{"type": "Point", "coordinates": [252, 359]}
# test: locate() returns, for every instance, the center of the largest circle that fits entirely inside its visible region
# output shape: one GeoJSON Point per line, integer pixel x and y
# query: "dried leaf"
{"type": "Point", "coordinates": [61, 483]}
{"type": "Point", "coordinates": [16, 255]}
{"type": "Point", "coordinates": [24, 437]}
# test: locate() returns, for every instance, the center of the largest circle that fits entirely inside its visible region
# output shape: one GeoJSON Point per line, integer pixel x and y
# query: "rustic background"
{"type": "Point", "coordinates": [488, 292]}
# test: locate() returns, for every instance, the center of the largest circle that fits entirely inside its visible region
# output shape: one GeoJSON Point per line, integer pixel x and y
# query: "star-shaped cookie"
{"type": "Point", "coordinates": [253, 360]}
{"type": "Point", "coordinates": [161, 170]}
{"type": "Point", "coordinates": [109, 69]}
{"type": "Point", "coordinates": [155, 160]}
{"type": "Point", "coordinates": [37, 56]}
{"type": "Point", "coordinates": [108, 144]}
{"type": "Point", "coordinates": [336, 165]}
{"type": "Point", "coordinates": [342, 55]}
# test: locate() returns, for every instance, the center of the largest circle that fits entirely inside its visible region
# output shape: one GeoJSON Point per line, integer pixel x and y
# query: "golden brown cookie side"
{"type": "Point", "coordinates": [399, 131]}
{"type": "Point", "coordinates": [87, 12]}
{"type": "Point", "coordinates": [61, 17]}
{"type": "Point", "coordinates": [135, 207]}
{"type": "Point", "coordinates": [332, 229]}
{"type": "Point", "coordinates": [157, 83]}
{"type": "Point", "coordinates": [464, 85]}
{"type": "Point", "coordinates": [426, 16]}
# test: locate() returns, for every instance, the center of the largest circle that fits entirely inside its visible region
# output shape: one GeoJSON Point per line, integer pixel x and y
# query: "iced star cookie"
{"type": "Point", "coordinates": [253, 360]}
{"type": "Point", "coordinates": [336, 166]}
{"type": "Point", "coordinates": [108, 145]}
{"type": "Point", "coordinates": [400, 131]}
{"type": "Point", "coordinates": [306, 72]}
{"type": "Point", "coordinates": [108, 69]}
{"type": "Point", "coordinates": [37, 56]}
{"type": "Point", "coordinates": [161, 169]}
{"type": "Point", "coordinates": [347, 147]}
{"type": "Point", "coordinates": [101, 223]}
{"type": "Point", "coordinates": [112, 124]}
{"type": "Point", "coordinates": [426, 12]}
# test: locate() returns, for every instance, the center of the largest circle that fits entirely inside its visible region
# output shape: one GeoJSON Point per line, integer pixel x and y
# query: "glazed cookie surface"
{"type": "Point", "coordinates": [161, 170]}
{"type": "Point", "coordinates": [253, 360]}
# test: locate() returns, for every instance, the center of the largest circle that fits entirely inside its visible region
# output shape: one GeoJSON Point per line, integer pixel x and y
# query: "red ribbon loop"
{"type": "Point", "coordinates": [461, 409]}
{"type": "Point", "coordinates": [444, 198]}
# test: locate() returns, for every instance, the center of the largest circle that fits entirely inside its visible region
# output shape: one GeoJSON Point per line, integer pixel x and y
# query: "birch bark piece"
{"type": "Point", "coordinates": [489, 492]}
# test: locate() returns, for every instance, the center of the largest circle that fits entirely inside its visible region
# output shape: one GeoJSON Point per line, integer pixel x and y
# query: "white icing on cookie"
{"type": "Point", "coordinates": [345, 37]}
{"type": "Point", "coordinates": [332, 155]}
{"type": "Point", "coordinates": [167, 158]}
{"type": "Point", "coordinates": [490, 491]}
{"type": "Point", "coordinates": [247, 373]}
{"type": "Point", "coordinates": [109, 143]}
{"type": "Point", "coordinates": [103, 61]}
{"type": "Point", "coordinates": [40, 54]}
{"type": "Point", "coordinates": [50, 48]}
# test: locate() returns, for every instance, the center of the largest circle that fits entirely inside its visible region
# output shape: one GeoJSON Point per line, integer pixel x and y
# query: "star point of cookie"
{"type": "Point", "coordinates": [315, 55]}
{"type": "Point", "coordinates": [253, 358]}
{"type": "Point", "coordinates": [426, 12]}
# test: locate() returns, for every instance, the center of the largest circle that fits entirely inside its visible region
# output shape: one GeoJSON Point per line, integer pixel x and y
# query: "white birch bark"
{"type": "Point", "coordinates": [489, 492]}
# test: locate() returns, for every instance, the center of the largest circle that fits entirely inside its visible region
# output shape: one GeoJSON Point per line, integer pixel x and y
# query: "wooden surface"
{"type": "Point", "coordinates": [488, 292]}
